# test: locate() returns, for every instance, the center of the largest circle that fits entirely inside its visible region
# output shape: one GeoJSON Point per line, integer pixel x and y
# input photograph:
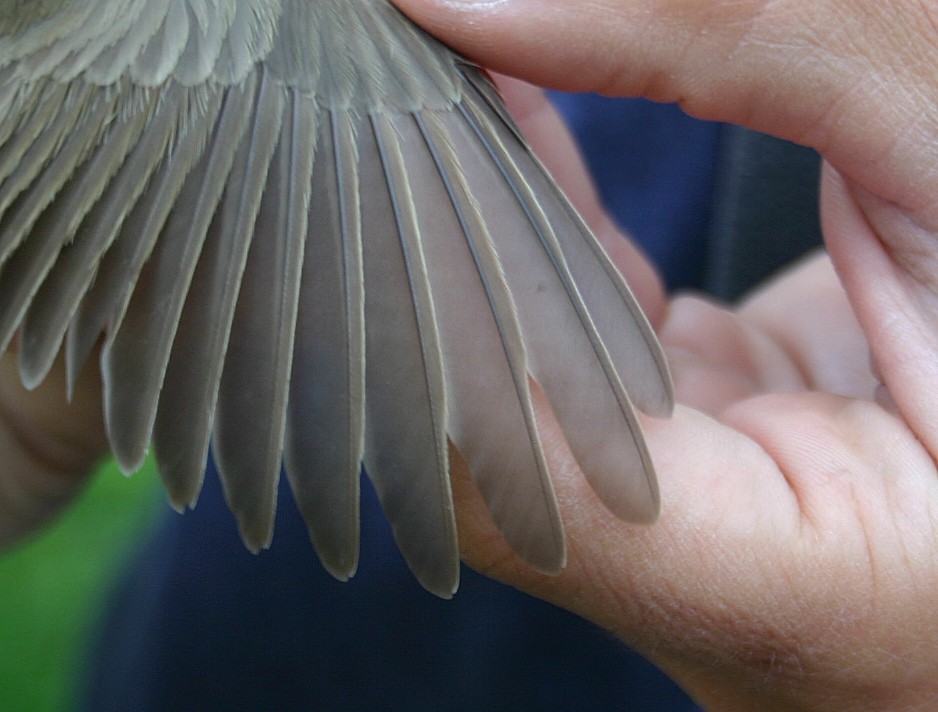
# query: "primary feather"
{"type": "Point", "coordinates": [306, 231]}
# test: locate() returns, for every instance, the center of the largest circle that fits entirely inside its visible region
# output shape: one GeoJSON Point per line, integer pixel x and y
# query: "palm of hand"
{"type": "Point", "coordinates": [794, 559]}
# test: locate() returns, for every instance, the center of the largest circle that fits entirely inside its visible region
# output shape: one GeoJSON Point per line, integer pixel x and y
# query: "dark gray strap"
{"type": "Point", "coordinates": [765, 210]}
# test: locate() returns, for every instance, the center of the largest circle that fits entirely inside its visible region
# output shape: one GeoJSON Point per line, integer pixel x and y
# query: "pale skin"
{"type": "Point", "coordinates": [48, 446]}
{"type": "Point", "coordinates": [794, 565]}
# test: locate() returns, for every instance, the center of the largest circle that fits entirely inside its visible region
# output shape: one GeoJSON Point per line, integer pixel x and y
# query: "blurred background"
{"type": "Point", "coordinates": [50, 587]}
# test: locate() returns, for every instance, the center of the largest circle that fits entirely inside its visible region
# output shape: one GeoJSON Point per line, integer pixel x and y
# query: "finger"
{"type": "Point", "coordinates": [719, 489]}
{"type": "Point", "coordinates": [663, 50]}
{"type": "Point", "coordinates": [553, 143]}
{"type": "Point", "coordinates": [763, 530]}
{"type": "Point", "coordinates": [47, 446]}
{"type": "Point", "coordinates": [833, 75]}
{"type": "Point", "coordinates": [888, 267]}
{"type": "Point", "coordinates": [825, 342]}
{"type": "Point", "coordinates": [718, 359]}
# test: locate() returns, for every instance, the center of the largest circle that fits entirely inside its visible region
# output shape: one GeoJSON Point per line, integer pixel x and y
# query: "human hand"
{"type": "Point", "coordinates": [48, 445]}
{"type": "Point", "coordinates": [858, 81]}
{"type": "Point", "coordinates": [793, 565]}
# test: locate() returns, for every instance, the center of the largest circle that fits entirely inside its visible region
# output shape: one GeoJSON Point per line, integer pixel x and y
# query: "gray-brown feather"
{"type": "Point", "coordinates": [326, 410]}
{"type": "Point", "coordinates": [306, 231]}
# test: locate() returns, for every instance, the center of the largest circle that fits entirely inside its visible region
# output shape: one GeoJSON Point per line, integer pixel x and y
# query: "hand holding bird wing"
{"type": "Point", "coordinates": [308, 232]}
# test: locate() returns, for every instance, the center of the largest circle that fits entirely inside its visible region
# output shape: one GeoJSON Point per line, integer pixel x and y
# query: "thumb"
{"type": "Point", "coordinates": [710, 56]}
{"type": "Point", "coordinates": [835, 75]}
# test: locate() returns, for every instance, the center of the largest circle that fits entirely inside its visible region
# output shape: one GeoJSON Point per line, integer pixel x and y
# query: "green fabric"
{"type": "Point", "coordinates": [50, 586]}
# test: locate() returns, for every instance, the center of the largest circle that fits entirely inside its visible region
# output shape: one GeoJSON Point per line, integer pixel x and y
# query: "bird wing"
{"type": "Point", "coordinates": [307, 232]}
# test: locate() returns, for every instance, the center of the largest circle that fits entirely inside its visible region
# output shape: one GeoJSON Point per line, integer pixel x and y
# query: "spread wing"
{"type": "Point", "coordinates": [308, 233]}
